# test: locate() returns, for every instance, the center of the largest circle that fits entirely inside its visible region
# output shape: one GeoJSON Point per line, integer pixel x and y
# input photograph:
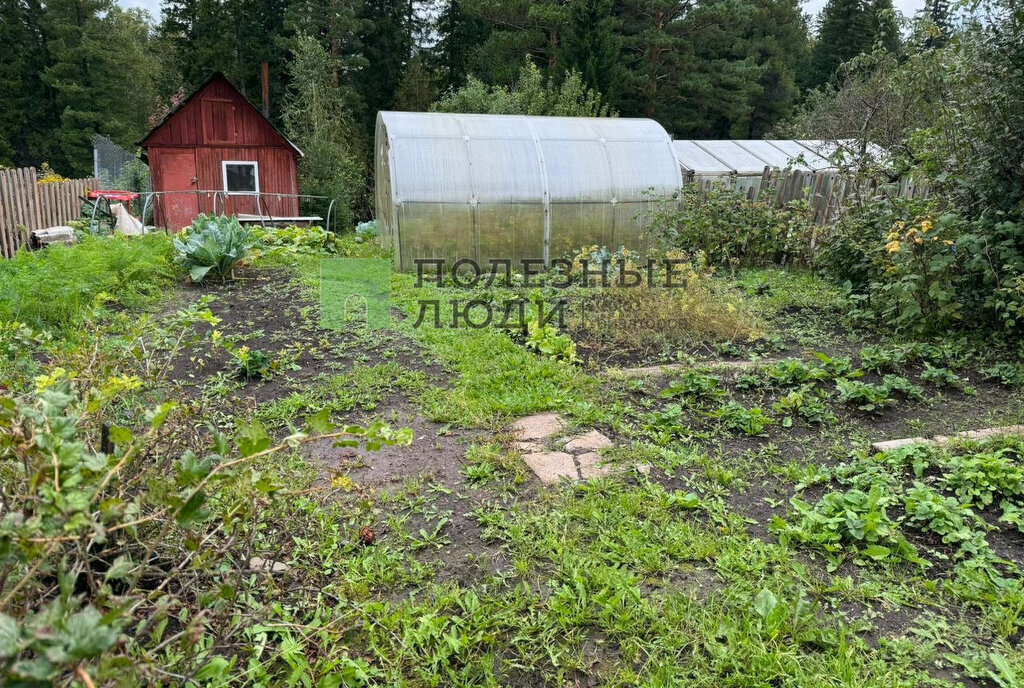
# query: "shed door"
{"type": "Point", "coordinates": [181, 203]}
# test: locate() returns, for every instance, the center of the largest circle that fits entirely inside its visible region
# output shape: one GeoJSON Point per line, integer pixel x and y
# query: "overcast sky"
{"type": "Point", "coordinates": [811, 7]}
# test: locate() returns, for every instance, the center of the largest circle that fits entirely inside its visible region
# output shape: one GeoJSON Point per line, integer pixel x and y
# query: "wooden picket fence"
{"type": "Point", "coordinates": [25, 204]}
{"type": "Point", "coordinates": [827, 191]}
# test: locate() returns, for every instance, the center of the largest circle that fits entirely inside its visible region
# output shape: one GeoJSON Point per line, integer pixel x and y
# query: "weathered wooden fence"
{"type": "Point", "coordinates": [826, 191]}
{"type": "Point", "coordinates": [25, 204]}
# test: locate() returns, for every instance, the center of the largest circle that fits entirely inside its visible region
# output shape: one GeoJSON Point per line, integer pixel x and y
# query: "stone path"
{"type": "Point", "coordinates": [943, 440]}
{"type": "Point", "coordinates": [576, 459]}
{"type": "Point", "coordinates": [670, 368]}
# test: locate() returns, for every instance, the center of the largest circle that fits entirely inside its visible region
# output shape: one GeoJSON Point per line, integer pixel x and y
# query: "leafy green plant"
{"type": "Point", "coordinates": [89, 537]}
{"type": "Point", "coordinates": [805, 402]}
{"type": "Point", "coordinates": [793, 371]}
{"type": "Point", "coordinates": [738, 418]}
{"type": "Point", "coordinates": [944, 377]}
{"type": "Point", "coordinates": [213, 244]}
{"type": "Point", "coordinates": [1012, 514]}
{"type": "Point", "coordinates": [981, 477]}
{"type": "Point", "coordinates": [250, 363]}
{"type": "Point", "coordinates": [865, 395]}
{"type": "Point", "coordinates": [882, 359]}
{"type": "Point", "coordinates": [896, 383]}
{"type": "Point", "coordinates": [843, 518]}
{"type": "Point", "coordinates": [695, 385]}
{"type": "Point", "coordinates": [311, 240]}
{"type": "Point", "coordinates": [1009, 374]}
{"type": "Point", "coordinates": [548, 341]}
{"type": "Point", "coordinates": [666, 425]}
{"type": "Point", "coordinates": [941, 515]}
{"type": "Point", "coordinates": [838, 366]}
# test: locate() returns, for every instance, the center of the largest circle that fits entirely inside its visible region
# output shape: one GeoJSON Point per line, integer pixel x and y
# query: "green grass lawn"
{"type": "Point", "coordinates": [749, 537]}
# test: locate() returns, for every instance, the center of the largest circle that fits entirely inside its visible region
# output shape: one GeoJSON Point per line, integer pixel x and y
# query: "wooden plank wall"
{"type": "Point", "coordinates": [26, 204]}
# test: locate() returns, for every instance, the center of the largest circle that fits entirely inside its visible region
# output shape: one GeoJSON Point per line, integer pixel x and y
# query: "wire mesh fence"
{"type": "Point", "coordinates": [117, 167]}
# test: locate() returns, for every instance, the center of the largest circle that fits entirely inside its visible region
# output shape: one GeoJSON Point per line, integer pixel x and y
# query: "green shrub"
{"type": "Point", "coordinates": [54, 286]}
{"type": "Point", "coordinates": [213, 244]}
{"type": "Point", "coordinates": [733, 231]}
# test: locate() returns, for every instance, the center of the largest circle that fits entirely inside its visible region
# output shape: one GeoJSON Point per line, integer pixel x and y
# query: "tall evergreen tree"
{"type": "Point", "coordinates": [940, 23]}
{"type": "Point", "coordinates": [848, 28]}
{"type": "Point", "coordinates": [101, 72]}
{"type": "Point", "coordinates": [654, 49]}
{"type": "Point", "coordinates": [336, 25]}
{"type": "Point", "coordinates": [844, 31]}
{"type": "Point", "coordinates": [203, 38]}
{"type": "Point", "coordinates": [27, 114]}
{"type": "Point", "coordinates": [518, 28]}
{"type": "Point", "coordinates": [387, 40]}
{"type": "Point", "coordinates": [460, 35]}
{"type": "Point", "coordinates": [591, 45]}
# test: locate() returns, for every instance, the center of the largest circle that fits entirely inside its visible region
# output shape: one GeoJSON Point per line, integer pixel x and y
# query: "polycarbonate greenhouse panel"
{"type": "Point", "coordinates": [695, 159]}
{"type": "Point", "coordinates": [794, 150]}
{"type": "Point", "coordinates": [766, 152]}
{"type": "Point", "coordinates": [738, 159]}
{"type": "Point", "coordinates": [705, 160]}
{"type": "Point", "coordinates": [486, 187]}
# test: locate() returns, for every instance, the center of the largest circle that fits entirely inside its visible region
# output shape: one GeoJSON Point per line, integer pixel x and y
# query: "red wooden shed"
{"type": "Point", "coordinates": [216, 152]}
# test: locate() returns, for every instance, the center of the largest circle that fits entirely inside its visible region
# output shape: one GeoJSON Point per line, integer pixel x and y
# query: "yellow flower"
{"type": "Point", "coordinates": [926, 226]}
{"type": "Point", "coordinates": [948, 242]}
{"type": "Point", "coordinates": [892, 246]}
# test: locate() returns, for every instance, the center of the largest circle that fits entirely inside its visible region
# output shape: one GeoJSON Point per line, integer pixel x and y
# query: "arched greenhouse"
{"type": "Point", "coordinates": [452, 186]}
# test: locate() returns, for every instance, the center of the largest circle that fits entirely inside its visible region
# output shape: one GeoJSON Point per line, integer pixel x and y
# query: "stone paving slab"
{"type": "Point", "coordinates": [896, 444]}
{"type": "Point", "coordinates": [588, 442]}
{"type": "Point", "coordinates": [943, 440]}
{"type": "Point", "coordinates": [539, 426]}
{"type": "Point", "coordinates": [551, 467]}
{"type": "Point", "coordinates": [671, 368]}
{"type": "Point", "coordinates": [591, 466]}
{"type": "Point", "coordinates": [983, 434]}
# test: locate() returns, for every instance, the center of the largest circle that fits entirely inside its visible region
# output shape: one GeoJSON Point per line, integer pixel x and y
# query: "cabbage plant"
{"type": "Point", "coordinates": [213, 244]}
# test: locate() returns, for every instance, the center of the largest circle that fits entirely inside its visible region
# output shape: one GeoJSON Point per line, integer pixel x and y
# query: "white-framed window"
{"type": "Point", "coordinates": [241, 176]}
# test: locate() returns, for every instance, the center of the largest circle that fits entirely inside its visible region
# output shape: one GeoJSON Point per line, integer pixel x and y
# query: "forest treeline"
{"type": "Point", "coordinates": [703, 68]}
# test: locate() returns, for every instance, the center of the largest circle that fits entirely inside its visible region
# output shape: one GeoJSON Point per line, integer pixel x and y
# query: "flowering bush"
{"type": "Point", "coordinates": [46, 175]}
{"type": "Point", "coordinates": [918, 289]}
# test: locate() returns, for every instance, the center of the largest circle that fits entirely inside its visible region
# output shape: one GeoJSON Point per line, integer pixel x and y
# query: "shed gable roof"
{"type": "Point", "coordinates": [217, 81]}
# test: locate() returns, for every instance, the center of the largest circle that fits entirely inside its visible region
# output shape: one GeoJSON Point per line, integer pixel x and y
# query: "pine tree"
{"type": "Point", "coordinates": [591, 45]}
{"type": "Point", "coordinates": [100, 71]}
{"type": "Point", "coordinates": [461, 34]}
{"type": "Point", "coordinates": [655, 53]}
{"type": "Point", "coordinates": [847, 28]}
{"type": "Point", "coordinates": [518, 28]}
{"type": "Point", "coordinates": [387, 39]}
{"type": "Point", "coordinates": [27, 114]}
{"type": "Point", "coordinates": [334, 24]}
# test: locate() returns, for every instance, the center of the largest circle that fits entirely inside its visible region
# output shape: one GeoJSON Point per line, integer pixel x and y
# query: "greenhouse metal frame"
{"type": "Point", "coordinates": [497, 187]}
